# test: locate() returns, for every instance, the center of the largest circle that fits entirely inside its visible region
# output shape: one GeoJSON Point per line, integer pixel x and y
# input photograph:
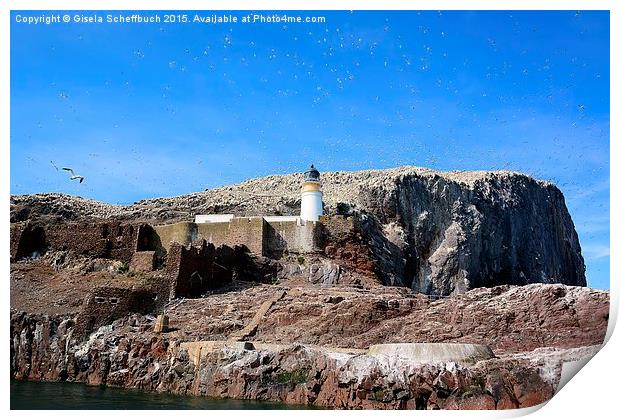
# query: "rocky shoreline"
{"type": "Point", "coordinates": [127, 353]}
{"type": "Point", "coordinates": [122, 355]}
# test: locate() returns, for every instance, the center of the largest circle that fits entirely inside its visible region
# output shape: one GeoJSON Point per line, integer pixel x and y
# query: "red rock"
{"type": "Point", "coordinates": [473, 402]}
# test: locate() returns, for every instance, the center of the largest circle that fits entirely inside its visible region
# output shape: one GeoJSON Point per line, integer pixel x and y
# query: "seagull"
{"type": "Point", "coordinates": [73, 175]}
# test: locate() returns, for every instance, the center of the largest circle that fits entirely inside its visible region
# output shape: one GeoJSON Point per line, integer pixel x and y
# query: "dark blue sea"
{"type": "Point", "coordinates": [26, 395]}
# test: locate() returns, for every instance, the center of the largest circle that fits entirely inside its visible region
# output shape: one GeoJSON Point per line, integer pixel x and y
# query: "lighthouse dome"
{"type": "Point", "coordinates": [311, 175]}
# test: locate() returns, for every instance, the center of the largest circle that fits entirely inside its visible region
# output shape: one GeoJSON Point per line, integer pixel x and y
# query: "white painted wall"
{"type": "Point", "coordinates": [213, 218]}
{"type": "Point", "coordinates": [281, 218]}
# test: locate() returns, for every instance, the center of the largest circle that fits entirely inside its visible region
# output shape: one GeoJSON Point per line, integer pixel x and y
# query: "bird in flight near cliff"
{"type": "Point", "coordinates": [73, 175]}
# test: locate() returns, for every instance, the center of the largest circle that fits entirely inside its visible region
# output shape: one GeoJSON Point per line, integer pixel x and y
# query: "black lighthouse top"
{"type": "Point", "coordinates": [311, 175]}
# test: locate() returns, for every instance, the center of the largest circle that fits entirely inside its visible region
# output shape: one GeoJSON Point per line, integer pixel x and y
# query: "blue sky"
{"type": "Point", "coordinates": [155, 110]}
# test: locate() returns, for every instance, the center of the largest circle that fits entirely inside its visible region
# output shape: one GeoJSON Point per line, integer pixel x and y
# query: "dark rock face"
{"type": "Point", "coordinates": [451, 237]}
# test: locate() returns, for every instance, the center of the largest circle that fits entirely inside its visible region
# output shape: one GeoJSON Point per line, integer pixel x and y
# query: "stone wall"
{"type": "Point", "coordinates": [183, 233]}
{"type": "Point", "coordinates": [16, 232]}
{"type": "Point", "coordinates": [248, 231]}
{"type": "Point", "coordinates": [194, 270]}
{"type": "Point", "coordinates": [149, 240]}
{"type": "Point", "coordinates": [100, 240]}
{"type": "Point", "coordinates": [106, 304]}
{"type": "Point", "coordinates": [143, 261]}
{"type": "Point", "coordinates": [213, 218]}
{"type": "Point", "coordinates": [112, 240]}
{"type": "Point", "coordinates": [292, 236]}
{"type": "Point", "coordinates": [214, 233]}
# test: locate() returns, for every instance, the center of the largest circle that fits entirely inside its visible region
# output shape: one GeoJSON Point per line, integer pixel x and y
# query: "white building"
{"type": "Point", "coordinates": [311, 196]}
{"type": "Point", "coordinates": [311, 204]}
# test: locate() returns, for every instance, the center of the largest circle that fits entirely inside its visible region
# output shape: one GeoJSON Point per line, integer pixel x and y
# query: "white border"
{"type": "Point", "coordinates": [591, 395]}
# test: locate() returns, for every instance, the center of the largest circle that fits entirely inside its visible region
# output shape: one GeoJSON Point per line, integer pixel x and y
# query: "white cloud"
{"type": "Point", "coordinates": [596, 251]}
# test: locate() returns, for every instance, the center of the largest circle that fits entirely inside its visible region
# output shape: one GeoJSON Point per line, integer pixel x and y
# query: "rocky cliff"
{"type": "Point", "coordinates": [436, 232]}
{"type": "Point", "coordinates": [306, 344]}
{"type": "Point", "coordinates": [127, 354]}
{"type": "Point", "coordinates": [533, 331]}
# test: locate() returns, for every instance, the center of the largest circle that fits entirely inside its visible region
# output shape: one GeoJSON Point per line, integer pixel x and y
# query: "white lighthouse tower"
{"type": "Point", "coordinates": [311, 196]}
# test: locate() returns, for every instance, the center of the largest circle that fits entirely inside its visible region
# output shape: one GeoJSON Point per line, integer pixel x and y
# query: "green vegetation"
{"type": "Point", "coordinates": [124, 268]}
{"type": "Point", "coordinates": [297, 376]}
{"type": "Point", "coordinates": [472, 360]}
{"type": "Point", "coordinates": [381, 395]}
{"type": "Point", "coordinates": [476, 387]}
{"type": "Point", "coordinates": [301, 260]}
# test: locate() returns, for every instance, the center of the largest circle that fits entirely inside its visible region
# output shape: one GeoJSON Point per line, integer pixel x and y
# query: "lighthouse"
{"type": "Point", "coordinates": [311, 196]}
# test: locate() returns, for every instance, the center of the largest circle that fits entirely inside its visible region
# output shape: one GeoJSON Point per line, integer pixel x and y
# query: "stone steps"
{"type": "Point", "coordinates": [250, 329]}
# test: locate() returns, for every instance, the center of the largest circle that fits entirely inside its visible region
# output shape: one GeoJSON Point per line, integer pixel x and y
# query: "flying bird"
{"type": "Point", "coordinates": [53, 164]}
{"type": "Point", "coordinates": [73, 175]}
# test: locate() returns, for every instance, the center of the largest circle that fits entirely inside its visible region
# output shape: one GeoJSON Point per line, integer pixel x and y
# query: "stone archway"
{"type": "Point", "coordinates": [32, 242]}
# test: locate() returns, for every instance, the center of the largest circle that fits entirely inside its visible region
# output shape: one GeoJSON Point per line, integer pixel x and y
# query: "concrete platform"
{"type": "Point", "coordinates": [415, 352]}
{"type": "Point", "coordinates": [434, 352]}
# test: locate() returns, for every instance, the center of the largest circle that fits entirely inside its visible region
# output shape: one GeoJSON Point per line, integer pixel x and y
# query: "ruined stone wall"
{"type": "Point", "coordinates": [16, 233]}
{"type": "Point", "coordinates": [101, 240]}
{"type": "Point", "coordinates": [194, 270]}
{"type": "Point", "coordinates": [291, 236]}
{"type": "Point", "coordinates": [26, 240]}
{"type": "Point", "coordinates": [106, 304]}
{"type": "Point", "coordinates": [143, 261]}
{"type": "Point", "coordinates": [260, 237]}
{"type": "Point", "coordinates": [112, 240]}
{"type": "Point", "coordinates": [149, 240]}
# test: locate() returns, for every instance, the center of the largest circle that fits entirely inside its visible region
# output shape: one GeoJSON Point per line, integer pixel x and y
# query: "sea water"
{"type": "Point", "coordinates": [27, 395]}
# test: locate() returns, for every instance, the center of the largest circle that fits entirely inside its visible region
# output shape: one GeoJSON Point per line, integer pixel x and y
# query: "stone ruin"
{"type": "Point", "coordinates": [105, 304]}
{"type": "Point", "coordinates": [187, 260]}
{"type": "Point", "coordinates": [193, 258]}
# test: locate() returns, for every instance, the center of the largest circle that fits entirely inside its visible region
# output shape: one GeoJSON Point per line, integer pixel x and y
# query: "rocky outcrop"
{"type": "Point", "coordinates": [126, 354]}
{"type": "Point", "coordinates": [436, 232]}
{"type": "Point", "coordinates": [506, 318]}
{"type": "Point", "coordinates": [308, 346]}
